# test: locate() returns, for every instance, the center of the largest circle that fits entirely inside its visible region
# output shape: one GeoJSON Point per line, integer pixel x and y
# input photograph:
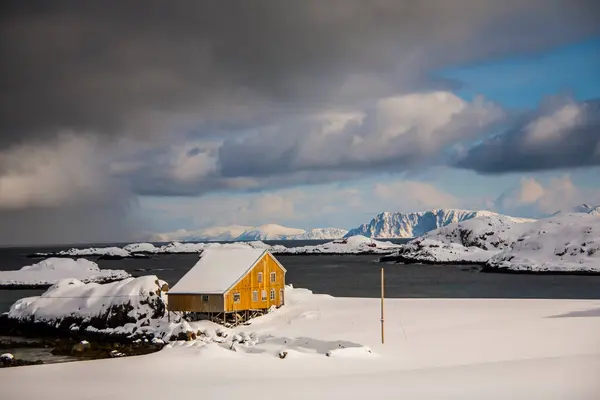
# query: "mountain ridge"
{"type": "Point", "coordinates": [385, 225]}
{"type": "Point", "coordinates": [249, 233]}
{"type": "Point", "coordinates": [392, 225]}
{"type": "Point", "coordinates": [581, 208]}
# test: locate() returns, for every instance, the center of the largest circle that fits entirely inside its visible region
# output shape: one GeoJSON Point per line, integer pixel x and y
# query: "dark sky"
{"type": "Point", "coordinates": [96, 95]}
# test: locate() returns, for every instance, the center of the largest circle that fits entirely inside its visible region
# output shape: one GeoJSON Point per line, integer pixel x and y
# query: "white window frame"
{"type": "Point", "coordinates": [205, 298]}
{"type": "Point", "coordinates": [260, 277]}
{"type": "Point", "coordinates": [263, 295]}
{"type": "Point", "coordinates": [255, 295]}
{"type": "Point", "coordinates": [239, 297]}
{"type": "Point", "coordinates": [273, 277]}
{"type": "Point", "coordinates": [273, 295]}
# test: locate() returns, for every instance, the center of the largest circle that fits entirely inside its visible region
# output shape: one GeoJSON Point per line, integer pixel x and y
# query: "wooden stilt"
{"type": "Point", "coordinates": [382, 295]}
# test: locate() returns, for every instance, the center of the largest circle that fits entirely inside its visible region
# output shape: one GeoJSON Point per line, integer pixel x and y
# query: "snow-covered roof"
{"type": "Point", "coordinates": [217, 270]}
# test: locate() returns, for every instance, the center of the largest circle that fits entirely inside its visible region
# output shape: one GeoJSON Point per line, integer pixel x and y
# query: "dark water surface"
{"type": "Point", "coordinates": [352, 276]}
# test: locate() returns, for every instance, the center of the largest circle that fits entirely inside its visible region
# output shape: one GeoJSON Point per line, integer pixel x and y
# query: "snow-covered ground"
{"type": "Point", "coordinates": [473, 240]}
{"type": "Point", "coordinates": [434, 348]}
{"type": "Point", "coordinates": [563, 243]}
{"type": "Point", "coordinates": [51, 270]}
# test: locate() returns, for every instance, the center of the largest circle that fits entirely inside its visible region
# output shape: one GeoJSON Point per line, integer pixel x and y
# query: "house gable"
{"type": "Point", "coordinates": [256, 289]}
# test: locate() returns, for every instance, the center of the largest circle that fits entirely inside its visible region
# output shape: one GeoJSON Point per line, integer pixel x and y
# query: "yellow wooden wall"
{"type": "Point", "coordinates": [193, 302]}
{"type": "Point", "coordinates": [250, 283]}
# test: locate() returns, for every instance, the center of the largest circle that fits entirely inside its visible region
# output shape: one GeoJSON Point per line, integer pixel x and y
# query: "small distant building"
{"type": "Point", "coordinates": [230, 281]}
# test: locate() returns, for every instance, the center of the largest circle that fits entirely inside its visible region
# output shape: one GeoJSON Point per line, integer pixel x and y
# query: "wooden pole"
{"type": "Point", "coordinates": [382, 295]}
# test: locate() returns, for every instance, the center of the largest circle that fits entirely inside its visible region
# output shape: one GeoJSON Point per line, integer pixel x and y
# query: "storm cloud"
{"type": "Point", "coordinates": [191, 97]}
{"type": "Point", "coordinates": [116, 67]}
{"type": "Point", "coordinates": [557, 136]}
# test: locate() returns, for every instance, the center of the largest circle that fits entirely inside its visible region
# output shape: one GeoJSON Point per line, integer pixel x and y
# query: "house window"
{"type": "Point", "coordinates": [255, 295]}
{"type": "Point", "coordinates": [273, 277]}
{"type": "Point", "coordinates": [205, 298]}
{"type": "Point", "coordinates": [260, 277]}
{"type": "Point", "coordinates": [272, 294]}
{"type": "Point", "coordinates": [236, 297]}
{"type": "Point", "coordinates": [264, 295]}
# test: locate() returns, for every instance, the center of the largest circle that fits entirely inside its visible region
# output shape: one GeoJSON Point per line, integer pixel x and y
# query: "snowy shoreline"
{"type": "Point", "coordinates": [402, 259]}
{"type": "Point", "coordinates": [505, 270]}
{"type": "Point", "coordinates": [358, 245]}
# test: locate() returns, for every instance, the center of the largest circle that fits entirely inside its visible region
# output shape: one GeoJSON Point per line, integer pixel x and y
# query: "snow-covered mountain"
{"type": "Point", "coordinates": [270, 232]}
{"type": "Point", "coordinates": [473, 240]}
{"type": "Point", "coordinates": [244, 233]}
{"type": "Point", "coordinates": [415, 224]}
{"type": "Point", "coordinates": [217, 233]}
{"type": "Point", "coordinates": [582, 208]}
{"type": "Point", "coordinates": [321, 234]}
{"type": "Point", "coordinates": [568, 242]}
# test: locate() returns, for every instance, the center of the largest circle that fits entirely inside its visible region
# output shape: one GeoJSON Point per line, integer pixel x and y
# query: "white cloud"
{"type": "Point", "coordinates": [534, 199]}
{"type": "Point", "coordinates": [552, 126]}
{"type": "Point", "coordinates": [404, 129]}
{"type": "Point", "coordinates": [414, 196]}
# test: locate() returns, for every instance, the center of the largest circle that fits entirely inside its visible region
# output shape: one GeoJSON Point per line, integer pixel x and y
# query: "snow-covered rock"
{"type": "Point", "coordinates": [351, 245]}
{"type": "Point", "coordinates": [474, 240]}
{"type": "Point", "coordinates": [92, 251]}
{"type": "Point", "coordinates": [563, 243]}
{"type": "Point", "coordinates": [134, 248]}
{"type": "Point", "coordinates": [410, 225]}
{"type": "Point", "coordinates": [181, 248]}
{"type": "Point", "coordinates": [321, 234]}
{"type": "Point", "coordinates": [51, 270]}
{"type": "Point", "coordinates": [133, 307]}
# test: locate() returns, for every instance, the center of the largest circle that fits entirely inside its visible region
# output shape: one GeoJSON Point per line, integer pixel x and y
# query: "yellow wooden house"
{"type": "Point", "coordinates": [230, 280]}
